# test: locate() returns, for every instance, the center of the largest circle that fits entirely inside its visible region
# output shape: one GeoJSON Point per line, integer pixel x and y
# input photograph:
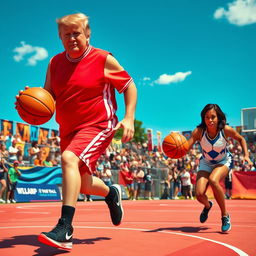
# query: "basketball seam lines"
{"type": "Point", "coordinates": [38, 101]}
{"type": "Point", "coordinates": [25, 110]}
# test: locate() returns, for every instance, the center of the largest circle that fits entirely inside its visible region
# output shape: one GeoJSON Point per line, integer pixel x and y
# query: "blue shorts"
{"type": "Point", "coordinates": [207, 166]}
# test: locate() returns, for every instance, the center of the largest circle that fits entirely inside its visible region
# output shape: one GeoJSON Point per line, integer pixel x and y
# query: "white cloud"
{"type": "Point", "coordinates": [168, 79]}
{"type": "Point", "coordinates": [239, 12]}
{"type": "Point", "coordinates": [36, 53]}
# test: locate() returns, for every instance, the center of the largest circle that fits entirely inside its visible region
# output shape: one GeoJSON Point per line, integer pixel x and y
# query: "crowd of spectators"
{"type": "Point", "coordinates": [13, 148]}
{"type": "Point", "coordinates": [133, 161]}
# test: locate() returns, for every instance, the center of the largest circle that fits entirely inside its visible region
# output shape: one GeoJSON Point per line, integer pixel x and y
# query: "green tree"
{"type": "Point", "coordinates": [139, 135]}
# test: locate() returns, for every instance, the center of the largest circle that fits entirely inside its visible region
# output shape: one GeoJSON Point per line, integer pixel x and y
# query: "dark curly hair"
{"type": "Point", "coordinates": [221, 116]}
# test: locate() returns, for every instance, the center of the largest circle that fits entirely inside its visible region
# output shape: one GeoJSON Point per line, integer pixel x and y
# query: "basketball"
{"type": "Point", "coordinates": [175, 145]}
{"type": "Point", "coordinates": [35, 105]}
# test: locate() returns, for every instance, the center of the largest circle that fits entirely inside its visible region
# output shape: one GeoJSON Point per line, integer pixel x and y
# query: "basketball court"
{"type": "Point", "coordinates": [157, 227]}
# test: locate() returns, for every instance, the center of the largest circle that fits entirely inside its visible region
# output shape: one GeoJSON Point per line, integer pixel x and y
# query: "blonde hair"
{"type": "Point", "coordinates": [74, 19]}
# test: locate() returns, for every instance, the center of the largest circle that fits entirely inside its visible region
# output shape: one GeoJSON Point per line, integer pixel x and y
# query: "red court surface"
{"type": "Point", "coordinates": [158, 227]}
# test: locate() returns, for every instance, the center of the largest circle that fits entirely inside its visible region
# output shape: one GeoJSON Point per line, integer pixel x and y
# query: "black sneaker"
{"type": "Point", "coordinates": [115, 206]}
{"type": "Point", "coordinates": [60, 236]}
{"type": "Point", "coordinates": [204, 213]}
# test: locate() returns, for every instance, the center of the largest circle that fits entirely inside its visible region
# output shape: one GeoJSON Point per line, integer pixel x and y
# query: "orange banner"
{"type": "Point", "coordinates": [7, 127]}
{"type": "Point", "coordinates": [43, 135]}
{"type": "Point", "coordinates": [23, 130]}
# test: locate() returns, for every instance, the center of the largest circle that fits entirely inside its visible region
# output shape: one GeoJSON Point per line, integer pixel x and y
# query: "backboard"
{"type": "Point", "coordinates": [248, 119]}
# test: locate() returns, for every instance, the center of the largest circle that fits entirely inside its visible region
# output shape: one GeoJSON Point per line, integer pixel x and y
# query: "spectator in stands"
{"type": "Point", "coordinates": [124, 166]}
{"type": "Point", "coordinates": [106, 175]}
{"type": "Point", "coordinates": [4, 153]}
{"type": "Point", "coordinates": [33, 151]}
{"type": "Point", "coordinates": [138, 182]}
{"type": "Point", "coordinates": [57, 159]}
{"type": "Point", "coordinates": [9, 137]}
{"type": "Point", "coordinates": [193, 182]}
{"type": "Point", "coordinates": [228, 185]}
{"type": "Point", "coordinates": [39, 160]}
{"type": "Point", "coordinates": [185, 183]}
{"type": "Point", "coordinates": [3, 171]}
{"type": "Point", "coordinates": [175, 182]}
{"type": "Point", "coordinates": [128, 176]}
{"type": "Point", "coordinates": [13, 176]}
{"type": "Point", "coordinates": [100, 165]}
{"type": "Point", "coordinates": [13, 150]}
{"type": "Point", "coordinates": [2, 137]}
{"type": "Point", "coordinates": [47, 162]}
{"type": "Point", "coordinates": [148, 185]}
{"type": "Point", "coordinates": [17, 138]}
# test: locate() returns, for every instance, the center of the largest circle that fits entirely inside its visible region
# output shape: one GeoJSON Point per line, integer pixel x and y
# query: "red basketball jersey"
{"type": "Point", "coordinates": [84, 95]}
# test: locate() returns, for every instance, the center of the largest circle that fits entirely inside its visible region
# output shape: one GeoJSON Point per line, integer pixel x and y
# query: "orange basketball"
{"type": "Point", "coordinates": [35, 105]}
{"type": "Point", "coordinates": [175, 145]}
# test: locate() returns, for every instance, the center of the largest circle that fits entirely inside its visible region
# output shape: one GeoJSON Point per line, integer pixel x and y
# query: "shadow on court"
{"type": "Point", "coordinates": [182, 229]}
{"type": "Point", "coordinates": [44, 250]}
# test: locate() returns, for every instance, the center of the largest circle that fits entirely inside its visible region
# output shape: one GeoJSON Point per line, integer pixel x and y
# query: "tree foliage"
{"type": "Point", "coordinates": [139, 135]}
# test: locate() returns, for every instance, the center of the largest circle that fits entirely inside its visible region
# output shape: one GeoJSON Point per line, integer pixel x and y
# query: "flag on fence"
{"type": "Point", "coordinates": [159, 141]}
{"type": "Point", "coordinates": [150, 139]}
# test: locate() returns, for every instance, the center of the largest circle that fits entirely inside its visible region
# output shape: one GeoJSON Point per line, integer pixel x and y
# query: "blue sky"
{"type": "Point", "coordinates": [182, 54]}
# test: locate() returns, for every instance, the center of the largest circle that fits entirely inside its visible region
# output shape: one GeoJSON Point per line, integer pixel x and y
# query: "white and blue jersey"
{"type": "Point", "coordinates": [214, 152]}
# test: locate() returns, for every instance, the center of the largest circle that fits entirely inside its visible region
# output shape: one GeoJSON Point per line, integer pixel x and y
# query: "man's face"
{"type": "Point", "coordinates": [73, 39]}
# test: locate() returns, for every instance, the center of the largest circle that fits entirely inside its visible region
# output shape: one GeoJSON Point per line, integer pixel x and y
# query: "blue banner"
{"type": "Point", "coordinates": [36, 192]}
{"type": "Point", "coordinates": [33, 133]}
{"type": "Point", "coordinates": [41, 175]}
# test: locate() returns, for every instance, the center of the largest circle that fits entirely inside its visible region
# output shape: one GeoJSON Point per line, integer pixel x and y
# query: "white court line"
{"type": "Point", "coordinates": [134, 210]}
{"type": "Point", "coordinates": [231, 247]}
{"type": "Point", "coordinates": [192, 224]}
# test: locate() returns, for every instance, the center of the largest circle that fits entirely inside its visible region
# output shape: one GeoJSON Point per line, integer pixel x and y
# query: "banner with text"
{"type": "Point", "coordinates": [36, 192]}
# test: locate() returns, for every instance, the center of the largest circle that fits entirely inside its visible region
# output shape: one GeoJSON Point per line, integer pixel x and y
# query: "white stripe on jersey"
{"type": "Point", "coordinates": [103, 135]}
{"type": "Point", "coordinates": [106, 100]}
{"type": "Point", "coordinates": [95, 140]}
{"type": "Point", "coordinates": [126, 85]}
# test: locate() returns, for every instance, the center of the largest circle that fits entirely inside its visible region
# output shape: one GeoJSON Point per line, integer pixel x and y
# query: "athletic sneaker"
{"type": "Point", "coordinates": [226, 224]}
{"type": "Point", "coordinates": [204, 213]}
{"type": "Point", "coordinates": [60, 236]}
{"type": "Point", "coordinates": [2, 201]}
{"type": "Point", "coordinates": [115, 205]}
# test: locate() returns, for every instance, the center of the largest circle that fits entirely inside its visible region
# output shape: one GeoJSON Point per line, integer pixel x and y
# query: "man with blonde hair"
{"type": "Point", "coordinates": [82, 80]}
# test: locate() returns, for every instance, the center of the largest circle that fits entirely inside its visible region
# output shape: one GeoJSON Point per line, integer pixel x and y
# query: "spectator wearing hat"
{"type": "Point", "coordinates": [13, 176]}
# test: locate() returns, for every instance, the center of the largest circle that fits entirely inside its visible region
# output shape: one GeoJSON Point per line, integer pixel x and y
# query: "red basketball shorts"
{"type": "Point", "coordinates": [88, 144]}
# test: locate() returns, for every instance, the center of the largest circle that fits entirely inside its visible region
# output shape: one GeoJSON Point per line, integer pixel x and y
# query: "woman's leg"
{"type": "Point", "coordinates": [219, 173]}
{"type": "Point", "coordinates": [201, 187]}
